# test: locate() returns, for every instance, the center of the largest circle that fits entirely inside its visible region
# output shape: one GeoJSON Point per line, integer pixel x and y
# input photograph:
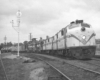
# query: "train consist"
{"type": "Point", "coordinates": [75, 40]}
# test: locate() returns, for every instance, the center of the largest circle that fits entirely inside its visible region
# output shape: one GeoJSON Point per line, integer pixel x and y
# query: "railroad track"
{"type": "Point", "coordinates": [93, 61]}
{"type": "Point", "coordinates": [87, 69]}
{"type": "Point", "coordinates": [96, 70]}
{"type": "Point", "coordinates": [64, 75]}
{"type": "Point", "coordinates": [59, 64]}
{"type": "Point", "coordinates": [69, 62]}
{"type": "Point", "coordinates": [96, 59]}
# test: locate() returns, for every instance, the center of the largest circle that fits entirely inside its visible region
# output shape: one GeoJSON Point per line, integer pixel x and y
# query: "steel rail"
{"type": "Point", "coordinates": [96, 59]}
{"type": "Point", "coordinates": [93, 71]}
{"type": "Point", "coordinates": [91, 63]}
{"type": "Point", "coordinates": [67, 78]}
{"type": "Point", "coordinates": [3, 67]}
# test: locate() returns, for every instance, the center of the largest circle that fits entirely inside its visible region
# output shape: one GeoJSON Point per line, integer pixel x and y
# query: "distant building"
{"type": "Point", "coordinates": [15, 47]}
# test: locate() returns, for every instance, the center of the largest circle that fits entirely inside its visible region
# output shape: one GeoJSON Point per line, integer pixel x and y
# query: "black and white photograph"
{"type": "Point", "coordinates": [49, 39]}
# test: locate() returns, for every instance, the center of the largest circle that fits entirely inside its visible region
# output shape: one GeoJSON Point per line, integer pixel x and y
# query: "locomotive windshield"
{"type": "Point", "coordinates": [85, 25]}
{"type": "Point", "coordinates": [76, 25]}
{"type": "Point", "coordinates": [73, 26]}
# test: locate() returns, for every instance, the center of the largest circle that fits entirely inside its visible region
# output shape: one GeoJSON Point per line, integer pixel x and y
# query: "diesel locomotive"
{"type": "Point", "coordinates": [76, 40]}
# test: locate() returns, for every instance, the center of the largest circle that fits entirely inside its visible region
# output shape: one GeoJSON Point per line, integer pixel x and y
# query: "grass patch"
{"type": "Point", "coordinates": [14, 69]}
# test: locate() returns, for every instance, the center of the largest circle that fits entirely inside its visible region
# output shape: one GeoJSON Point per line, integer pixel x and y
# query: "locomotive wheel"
{"type": "Point", "coordinates": [55, 52]}
{"type": "Point", "coordinates": [76, 54]}
{"type": "Point", "coordinates": [69, 53]}
{"type": "Point", "coordinates": [64, 52]}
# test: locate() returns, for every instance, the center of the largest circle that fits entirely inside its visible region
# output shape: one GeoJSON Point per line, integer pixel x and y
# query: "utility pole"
{"type": "Point", "coordinates": [31, 42]}
{"type": "Point", "coordinates": [30, 36]}
{"type": "Point", "coordinates": [18, 25]}
{"type": "Point", "coordinates": [5, 38]}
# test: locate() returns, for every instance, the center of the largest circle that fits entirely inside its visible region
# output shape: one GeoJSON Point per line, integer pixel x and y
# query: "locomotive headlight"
{"type": "Point", "coordinates": [84, 37]}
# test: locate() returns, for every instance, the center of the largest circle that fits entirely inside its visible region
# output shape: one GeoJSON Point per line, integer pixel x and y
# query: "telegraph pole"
{"type": "Point", "coordinates": [30, 36]}
{"type": "Point", "coordinates": [5, 38]}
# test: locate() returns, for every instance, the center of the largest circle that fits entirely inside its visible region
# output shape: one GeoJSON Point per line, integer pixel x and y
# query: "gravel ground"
{"type": "Point", "coordinates": [72, 71]}
{"type": "Point", "coordinates": [18, 69]}
{"type": "Point", "coordinates": [75, 73]}
{"type": "Point", "coordinates": [2, 76]}
{"type": "Point", "coordinates": [97, 53]}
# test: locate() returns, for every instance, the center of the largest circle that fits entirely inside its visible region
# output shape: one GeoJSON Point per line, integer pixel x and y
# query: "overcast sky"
{"type": "Point", "coordinates": [45, 17]}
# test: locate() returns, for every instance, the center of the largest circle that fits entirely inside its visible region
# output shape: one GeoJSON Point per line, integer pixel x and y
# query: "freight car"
{"type": "Point", "coordinates": [75, 40]}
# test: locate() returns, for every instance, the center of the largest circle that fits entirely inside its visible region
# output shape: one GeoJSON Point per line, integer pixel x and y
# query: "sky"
{"type": "Point", "coordinates": [45, 17]}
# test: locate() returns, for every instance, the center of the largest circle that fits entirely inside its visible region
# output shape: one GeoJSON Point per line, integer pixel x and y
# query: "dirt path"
{"type": "Point", "coordinates": [16, 69]}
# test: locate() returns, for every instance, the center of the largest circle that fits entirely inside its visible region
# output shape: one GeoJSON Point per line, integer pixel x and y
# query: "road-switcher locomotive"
{"type": "Point", "coordinates": [76, 40]}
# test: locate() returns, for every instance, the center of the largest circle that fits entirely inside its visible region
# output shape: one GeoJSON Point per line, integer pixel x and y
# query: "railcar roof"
{"type": "Point", "coordinates": [82, 24]}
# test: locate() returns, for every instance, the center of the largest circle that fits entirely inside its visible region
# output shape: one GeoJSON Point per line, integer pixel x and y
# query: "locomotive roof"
{"type": "Point", "coordinates": [76, 22]}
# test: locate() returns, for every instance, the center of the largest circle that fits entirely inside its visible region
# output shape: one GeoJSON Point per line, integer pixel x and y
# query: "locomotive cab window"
{"type": "Point", "coordinates": [62, 32]}
{"type": "Point", "coordinates": [65, 30]}
{"type": "Point", "coordinates": [57, 36]}
{"type": "Point", "coordinates": [85, 25]}
{"type": "Point", "coordinates": [73, 26]}
{"type": "Point", "coordinates": [43, 42]}
{"type": "Point", "coordinates": [53, 38]}
{"type": "Point", "coordinates": [48, 40]}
